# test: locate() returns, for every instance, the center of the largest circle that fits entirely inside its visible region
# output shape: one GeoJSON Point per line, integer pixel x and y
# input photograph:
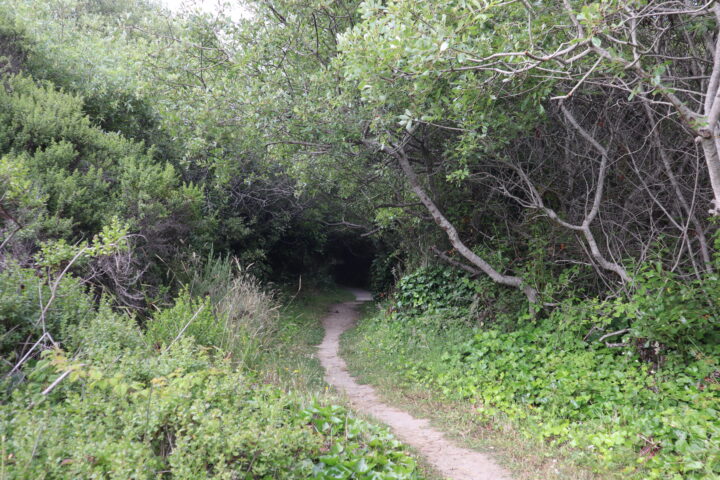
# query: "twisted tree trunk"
{"type": "Point", "coordinates": [510, 280]}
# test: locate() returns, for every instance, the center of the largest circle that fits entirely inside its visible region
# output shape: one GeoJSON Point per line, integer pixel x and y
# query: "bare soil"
{"type": "Point", "coordinates": [448, 459]}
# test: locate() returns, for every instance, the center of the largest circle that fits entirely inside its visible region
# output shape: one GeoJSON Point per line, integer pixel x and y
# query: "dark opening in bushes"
{"type": "Point", "coordinates": [351, 258]}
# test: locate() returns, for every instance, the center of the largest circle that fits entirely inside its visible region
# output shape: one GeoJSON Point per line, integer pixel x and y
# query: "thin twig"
{"type": "Point", "coordinates": [60, 379]}
{"type": "Point", "coordinates": [613, 334]}
{"type": "Point", "coordinates": [185, 327]}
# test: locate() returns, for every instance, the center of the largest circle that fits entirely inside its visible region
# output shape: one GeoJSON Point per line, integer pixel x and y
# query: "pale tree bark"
{"type": "Point", "coordinates": [700, 232]}
{"type": "Point", "coordinates": [536, 202]}
{"type": "Point", "coordinates": [708, 133]}
{"type": "Point", "coordinates": [703, 123]}
{"type": "Point", "coordinates": [597, 199]}
{"type": "Point", "coordinates": [698, 107]}
{"type": "Point", "coordinates": [400, 155]}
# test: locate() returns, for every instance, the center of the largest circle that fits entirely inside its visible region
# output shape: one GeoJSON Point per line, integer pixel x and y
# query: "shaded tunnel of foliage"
{"type": "Point", "coordinates": [533, 186]}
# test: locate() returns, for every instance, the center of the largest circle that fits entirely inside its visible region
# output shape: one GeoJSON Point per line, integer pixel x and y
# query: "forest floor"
{"type": "Point", "coordinates": [447, 458]}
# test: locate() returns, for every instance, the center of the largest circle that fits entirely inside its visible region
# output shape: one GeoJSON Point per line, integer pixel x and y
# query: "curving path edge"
{"type": "Point", "coordinates": [450, 460]}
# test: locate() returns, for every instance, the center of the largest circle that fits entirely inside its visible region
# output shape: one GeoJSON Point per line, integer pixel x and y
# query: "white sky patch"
{"type": "Point", "coordinates": [234, 9]}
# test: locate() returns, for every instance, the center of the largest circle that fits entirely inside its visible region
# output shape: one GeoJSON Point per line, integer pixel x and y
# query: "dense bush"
{"type": "Point", "coordinates": [65, 178]}
{"type": "Point", "coordinates": [118, 402]}
{"type": "Point", "coordinates": [445, 296]}
{"type": "Point", "coordinates": [181, 414]}
{"type": "Point", "coordinates": [189, 316]}
{"type": "Point", "coordinates": [673, 311]}
{"type": "Point", "coordinates": [433, 288]}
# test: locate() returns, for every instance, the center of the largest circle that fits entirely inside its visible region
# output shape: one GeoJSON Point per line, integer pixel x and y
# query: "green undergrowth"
{"type": "Point", "coordinates": [182, 414]}
{"type": "Point", "coordinates": [619, 412]}
{"type": "Point", "coordinates": [525, 458]}
{"type": "Point", "coordinates": [186, 396]}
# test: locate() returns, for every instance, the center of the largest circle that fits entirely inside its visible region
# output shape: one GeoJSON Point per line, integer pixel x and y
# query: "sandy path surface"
{"type": "Point", "coordinates": [450, 460]}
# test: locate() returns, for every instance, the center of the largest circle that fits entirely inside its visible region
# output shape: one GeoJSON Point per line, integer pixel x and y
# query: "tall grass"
{"type": "Point", "coordinates": [250, 313]}
{"type": "Point", "coordinates": [210, 276]}
{"type": "Point", "coordinates": [236, 313]}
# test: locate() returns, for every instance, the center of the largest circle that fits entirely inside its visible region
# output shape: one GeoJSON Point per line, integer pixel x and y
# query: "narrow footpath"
{"type": "Point", "coordinates": [451, 461]}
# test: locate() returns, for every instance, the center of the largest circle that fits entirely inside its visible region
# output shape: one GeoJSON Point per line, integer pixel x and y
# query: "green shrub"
{"type": "Point", "coordinates": [22, 297]}
{"type": "Point", "coordinates": [383, 269]}
{"type": "Point", "coordinates": [64, 177]}
{"type": "Point", "coordinates": [190, 317]}
{"type": "Point", "coordinates": [675, 312]}
{"type": "Point", "coordinates": [107, 335]}
{"type": "Point", "coordinates": [434, 288]}
{"type": "Point", "coordinates": [441, 295]}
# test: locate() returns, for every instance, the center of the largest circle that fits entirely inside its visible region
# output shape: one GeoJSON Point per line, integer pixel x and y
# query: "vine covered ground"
{"type": "Point", "coordinates": [610, 409]}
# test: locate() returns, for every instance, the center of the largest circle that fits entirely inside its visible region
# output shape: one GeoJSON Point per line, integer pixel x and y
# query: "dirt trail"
{"type": "Point", "coordinates": [450, 460]}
